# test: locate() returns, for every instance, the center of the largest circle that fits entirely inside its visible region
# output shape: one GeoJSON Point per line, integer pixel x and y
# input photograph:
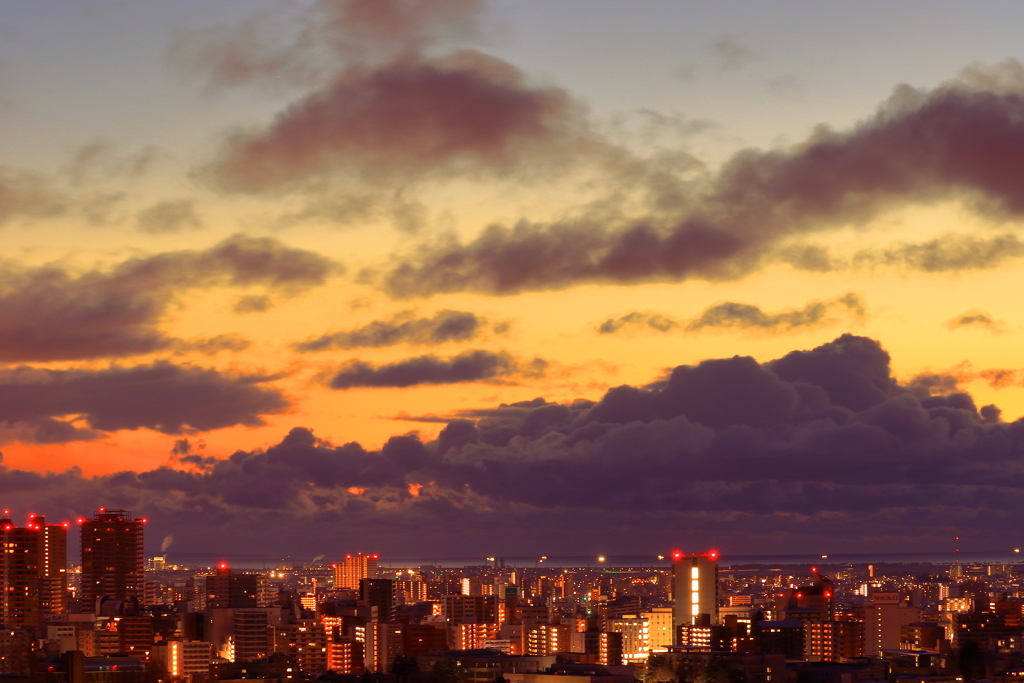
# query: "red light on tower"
{"type": "Point", "coordinates": [80, 521]}
{"type": "Point", "coordinates": [222, 565]}
{"type": "Point", "coordinates": [65, 524]}
{"type": "Point", "coordinates": [677, 555]}
{"type": "Point", "coordinates": [7, 512]}
{"type": "Point", "coordinates": [713, 554]}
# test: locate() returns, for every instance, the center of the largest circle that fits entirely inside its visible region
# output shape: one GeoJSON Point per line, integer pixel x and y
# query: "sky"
{"type": "Point", "coordinates": [429, 278]}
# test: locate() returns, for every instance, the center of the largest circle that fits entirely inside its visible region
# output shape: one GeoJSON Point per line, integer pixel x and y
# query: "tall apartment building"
{"type": "Point", "coordinates": [113, 563]}
{"type": "Point", "coordinates": [33, 571]}
{"type": "Point", "coordinates": [227, 589]}
{"type": "Point", "coordinates": [694, 589]}
{"type": "Point", "coordinates": [355, 567]}
{"type": "Point", "coordinates": [883, 621]}
{"type": "Point", "coordinates": [379, 596]}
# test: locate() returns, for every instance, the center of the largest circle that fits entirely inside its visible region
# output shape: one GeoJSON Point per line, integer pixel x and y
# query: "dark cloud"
{"type": "Point", "coordinates": [468, 366]}
{"type": "Point", "coordinates": [975, 318]}
{"type": "Point", "coordinates": [404, 328]}
{"type": "Point", "coordinates": [957, 142]}
{"type": "Point", "coordinates": [70, 405]}
{"type": "Point", "coordinates": [821, 448]}
{"type": "Point", "coordinates": [169, 216]}
{"type": "Point", "coordinates": [50, 313]}
{"type": "Point", "coordinates": [454, 115]}
{"type": "Point", "coordinates": [732, 315]}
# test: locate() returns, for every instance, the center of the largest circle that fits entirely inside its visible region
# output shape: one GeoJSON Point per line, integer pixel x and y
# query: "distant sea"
{"type": "Point", "coordinates": [620, 561]}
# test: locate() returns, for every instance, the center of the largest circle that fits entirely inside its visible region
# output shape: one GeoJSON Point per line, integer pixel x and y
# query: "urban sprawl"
{"type": "Point", "coordinates": [120, 617]}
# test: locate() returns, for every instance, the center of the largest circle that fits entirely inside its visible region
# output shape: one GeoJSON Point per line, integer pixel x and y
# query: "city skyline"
{"type": "Point", "coordinates": [456, 278]}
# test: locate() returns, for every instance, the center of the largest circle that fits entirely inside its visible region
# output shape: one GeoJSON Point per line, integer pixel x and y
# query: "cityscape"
{"type": "Point", "coordinates": [119, 616]}
{"type": "Point", "coordinates": [511, 341]}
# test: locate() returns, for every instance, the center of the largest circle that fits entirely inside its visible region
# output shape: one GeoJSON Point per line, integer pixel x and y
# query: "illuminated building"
{"type": "Point", "coordinates": [112, 557]}
{"type": "Point", "coordinates": [411, 590]}
{"type": "Point", "coordinates": [834, 641]}
{"type": "Point", "coordinates": [546, 639]}
{"type": "Point", "coordinates": [883, 619]}
{"type": "Point", "coordinates": [306, 642]}
{"type": "Point", "coordinates": [184, 658]}
{"type": "Point", "coordinates": [606, 647]}
{"type": "Point", "coordinates": [695, 589]}
{"type": "Point", "coordinates": [808, 603]}
{"type": "Point", "coordinates": [659, 628]}
{"type": "Point", "coordinates": [33, 571]}
{"type": "Point", "coordinates": [353, 569]}
{"type": "Point", "coordinates": [471, 636]}
{"type": "Point", "coordinates": [635, 637]}
{"type": "Point", "coordinates": [481, 609]}
{"type": "Point", "coordinates": [345, 656]}
{"type": "Point", "coordinates": [705, 638]}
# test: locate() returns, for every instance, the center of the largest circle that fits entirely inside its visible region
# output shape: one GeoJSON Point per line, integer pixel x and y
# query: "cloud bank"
{"type": "Point", "coordinates": [404, 328]}
{"type": "Point", "coordinates": [821, 448]}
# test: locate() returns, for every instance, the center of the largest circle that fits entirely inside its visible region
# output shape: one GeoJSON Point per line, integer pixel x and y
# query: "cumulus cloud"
{"type": "Point", "coordinates": [71, 405]}
{"type": "Point", "coordinates": [454, 115]}
{"type": "Point", "coordinates": [51, 313]}
{"type": "Point", "coordinates": [468, 366]}
{"type": "Point", "coordinates": [732, 315]}
{"type": "Point", "coordinates": [819, 446]}
{"type": "Point", "coordinates": [404, 328]}
{"type": "Point", "coordinates": [975, 318]}
{"type": "Point", "coordinates": [958, 141]}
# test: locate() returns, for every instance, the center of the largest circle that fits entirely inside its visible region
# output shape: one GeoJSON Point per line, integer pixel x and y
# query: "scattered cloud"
{"type": "Point", "coordinates": [975, 318]}
{"type": "Point", "coordinates": [732, 315]}
{"type": "Point", "coordinates": [49, 313]}
{"type": "Point", "coordinates": [953, 142]}
{"type": "Point", "coordinates": [169, 216]}
{"type": "Point", "coordinates": [468, 366]}
{"type": "Point", "coordinates": [403, 328]}
{"type": "Point", "coordinates": [731, 54]}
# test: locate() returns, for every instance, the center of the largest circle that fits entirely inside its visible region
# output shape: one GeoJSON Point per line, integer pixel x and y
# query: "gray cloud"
{"type": "Point", "coordinates": [975, 318]}
{"type": "Point", "coordinates": [731, 54]}
{"type": "Point", "coordinates": [27, 195]}
{"type": "Point", "coordinates": [71, 405]}
{"type": "Point", "coordinates": [468, 366]}
{"type": "Point", "coordinates": [169, 216]}
{"type": "Point", "coordinates": [954, 142]}
{"type": "Point", "coordinates": [732, 315]}
{"type": "Point", "coordinates": [404, 328]}
{"type": "Point", "coordinates": [48, 313]}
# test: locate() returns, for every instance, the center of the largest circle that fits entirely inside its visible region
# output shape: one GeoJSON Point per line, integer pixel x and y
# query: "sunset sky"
{"type": "Point", "coordinates": [440, 277]}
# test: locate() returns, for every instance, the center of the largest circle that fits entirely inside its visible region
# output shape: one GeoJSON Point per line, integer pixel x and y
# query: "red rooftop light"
{"type": "Point", "coordinates": [677, 555]}
{"type": "Point", "coordinates": [713, 554]}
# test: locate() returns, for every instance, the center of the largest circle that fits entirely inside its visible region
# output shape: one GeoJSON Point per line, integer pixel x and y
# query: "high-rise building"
{"type": "Point", "coordinates": [227, 589]}
{"type": "Point", "coordinates": [33, 571]}
{"type": "Point", "coordinates": [379, 596]}
{"type": "Point", "coordinates": [694, 589]}
{"type": "Point", "coordinates": [113, 562]}
{"type": "Point", "coordinates": [883, 620]}
{"type": "Point", "coordinates": [355, 567]}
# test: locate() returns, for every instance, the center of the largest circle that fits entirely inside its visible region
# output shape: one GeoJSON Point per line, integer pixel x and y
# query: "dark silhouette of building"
{"type": "Point", "coordinates": [379, 596]}
{"type": "Point", "coordinates": [33, 571]}
{"type": "Point", "coordinates": [225, 589]}
{"type": "Point", "coordinates": [112, 557]}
